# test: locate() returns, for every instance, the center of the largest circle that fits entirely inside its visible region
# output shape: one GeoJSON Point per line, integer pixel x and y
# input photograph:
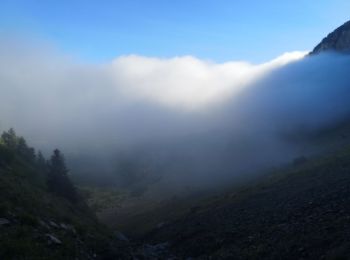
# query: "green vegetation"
{"type": "Point", "coordinates": [100, 199]}
{"type": "Point", "coordinates": [58, 181]}
{"type": "Point", "coordinates": [41, 215]}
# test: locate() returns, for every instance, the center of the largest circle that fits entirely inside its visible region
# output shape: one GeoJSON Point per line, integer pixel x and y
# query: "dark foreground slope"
{"type": "Point", "coordinates": [38, 224]}
{"type": "Point", "coordinates": [302, 212]}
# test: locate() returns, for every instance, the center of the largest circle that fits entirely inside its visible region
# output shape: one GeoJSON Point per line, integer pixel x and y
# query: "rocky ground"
{"type": "Point", "coordinates": [301, 213]}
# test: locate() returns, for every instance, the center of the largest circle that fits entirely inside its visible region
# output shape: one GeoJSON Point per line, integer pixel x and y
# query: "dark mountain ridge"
{"type": "Point", "coordinates": [338, 40]}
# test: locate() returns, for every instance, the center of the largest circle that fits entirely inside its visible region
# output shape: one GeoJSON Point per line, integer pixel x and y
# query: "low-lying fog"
{"type": "Point", "coordinates": [178, 121]}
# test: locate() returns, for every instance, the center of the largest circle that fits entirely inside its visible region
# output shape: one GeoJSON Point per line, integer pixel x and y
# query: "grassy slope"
{"type": "Point", "coordinates": [30, 208]}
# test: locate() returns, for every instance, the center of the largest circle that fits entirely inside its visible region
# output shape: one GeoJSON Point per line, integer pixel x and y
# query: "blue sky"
{"type": "Point", "coordinates": [219, 30]}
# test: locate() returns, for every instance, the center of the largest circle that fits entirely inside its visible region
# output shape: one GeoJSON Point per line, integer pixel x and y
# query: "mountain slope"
{"type": "Point", "coordinates": [338, 40]}
{"type": "Point", "coordinates": [301, 212]}
{"type": "Point", "coordinates": [38, 224]}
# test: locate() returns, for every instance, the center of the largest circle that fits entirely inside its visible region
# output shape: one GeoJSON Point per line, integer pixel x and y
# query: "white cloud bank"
{"type": "Point", "coordinates": [51, 97]}
{"type": "Point", "coordinates": [187, 82]}
{"type": "Point", "coordinates": [197, 119]}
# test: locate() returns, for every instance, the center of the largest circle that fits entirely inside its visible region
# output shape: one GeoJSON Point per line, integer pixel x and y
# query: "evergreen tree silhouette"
{"type": "Point", "coordinates": [58, 181]}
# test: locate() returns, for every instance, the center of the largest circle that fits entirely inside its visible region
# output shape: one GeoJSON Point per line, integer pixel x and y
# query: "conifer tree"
{"type": "Point", "coordinates": [9, 139]}
{"type": "Point", "coordinates": [58, 181]}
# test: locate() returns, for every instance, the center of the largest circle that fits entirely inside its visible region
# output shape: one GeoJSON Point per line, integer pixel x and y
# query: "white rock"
{"type": "Point", "coordinates": [4, 221]}
{"type": "Point", "coordinates": [53, 240]}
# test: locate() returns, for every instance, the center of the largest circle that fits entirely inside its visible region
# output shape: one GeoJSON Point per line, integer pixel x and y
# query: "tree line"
{"type": "Point", "coordinates": [14, 147]}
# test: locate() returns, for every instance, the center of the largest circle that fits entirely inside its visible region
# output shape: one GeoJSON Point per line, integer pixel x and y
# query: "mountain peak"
{"type": "Point", "coordinates": [338, 40]}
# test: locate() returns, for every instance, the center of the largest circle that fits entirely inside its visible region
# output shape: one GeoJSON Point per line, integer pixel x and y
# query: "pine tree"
{"type": "Point", "coordinates": [7, 147]}
{"type": "Point", "coordinates": [24, 150]}
{"type": "Point", "coordinates": [41, 161]}
{"type": "Point", "coordinates": [58, 181]}
{"type": "Point", "coordinates": [10, 139]}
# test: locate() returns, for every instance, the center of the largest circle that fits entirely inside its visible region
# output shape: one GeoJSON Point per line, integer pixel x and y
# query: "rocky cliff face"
{"type": "Point", "coordinates": [338, 40]}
